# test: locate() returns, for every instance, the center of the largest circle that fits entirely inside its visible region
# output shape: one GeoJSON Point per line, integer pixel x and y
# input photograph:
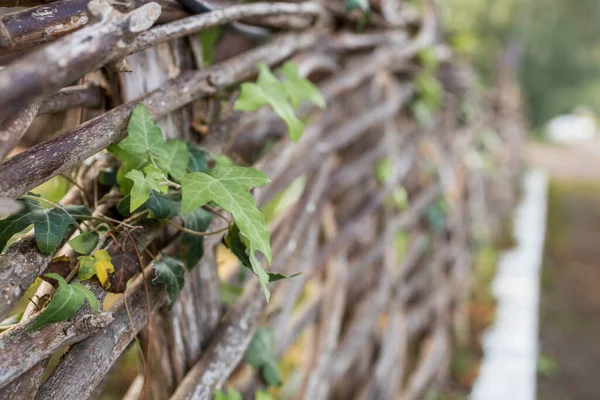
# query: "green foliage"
{"type": "Point", "coordinates": [229, 187]}
{"type": "Point", "coordinates": [226, 185]}
{"type": "Point", "coordinates": [85, 243]}
{"type": "Point", "coordinates": [50, 224]}
{"type": "Point", "coordinates": [100, 265]}
{"type": "Point", "coordinates": [274, 276]}
{"type": "Point", "coordinates": [198, 162]}
{"type": "Point", "coordinates": [143, 183]}
{"type": "Point", "coordinates": [436, 216]}
{"type": "Point", "coordinates": [547, 366]}
{"type": "Point", "coordinates": [161, 206]}
{"type": "Point", "coordinates": [129, 163]}
{"type": "Point", "coordinates": [230, 293]}
{"type": "Point", "coordinates": [549, 45]}
{"type": "Point", "coordinates": [384, 170]}
{"type": "Point", "coordinates": [262, 395]}
{"type": "Point", "coordinates": [362, 5]}
{"type": "Point", "coordinates": [67, 300]}
{"type": "Point", "coordinates": [429, 59]}
{"type": "Point", "coordinates": [236, 243]}
{"type": "Point", "coordinates": [208, 38]}
{"type": "Point", "coordinates": [231, 394]}
{"type": "Point", "coordinates": [144, 137]}
{"type": "Point", "coordinates": [261, 355]}
{"type": "Point", "coordinates": [107, 177]}
{"type": "Point", "coordinates": [429, 89]}
{"type": "Point", "coordinates": [283, 97]}
{"type": "Point", "coordinates": [192, 245]}
{"type": "Point", "coordinates": [300, 89]}
{"type": "Point", "coordinates": [177, 158]}
{"type": "Point", "coordinates": [401, 244]}
{"type": "Point", "coordinates": [170, 271]}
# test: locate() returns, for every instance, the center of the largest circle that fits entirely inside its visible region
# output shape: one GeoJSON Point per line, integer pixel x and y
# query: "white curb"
{"type": "Point", "coordinates": [508, 369]}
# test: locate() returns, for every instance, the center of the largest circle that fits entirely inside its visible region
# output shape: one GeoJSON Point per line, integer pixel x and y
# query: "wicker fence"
{"type": "Point", "coordinates": [371, 322]}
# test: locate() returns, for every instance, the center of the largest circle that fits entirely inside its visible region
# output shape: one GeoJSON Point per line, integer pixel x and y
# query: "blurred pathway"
{"type": "Point", "coordinates": [567, 344]}
{"type": "Point", "coordinates": [508, 370]}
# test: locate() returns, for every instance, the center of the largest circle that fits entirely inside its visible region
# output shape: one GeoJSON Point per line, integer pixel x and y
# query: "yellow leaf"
{"type": "Point", "coordinates": [100, 265]}
{"type": "Point", "coordinates": [103, 265]}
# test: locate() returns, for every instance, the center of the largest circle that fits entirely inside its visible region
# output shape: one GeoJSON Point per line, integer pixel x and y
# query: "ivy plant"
{"type": "Point", "coordinates": [50, 223]}
{"type": "Point", "coordinates": [67, 300]}
{"type": "Point", "coordinates": [283, 96]}
{"type": "Point", "coordinates": [173, 181]}
{"type": "Point", "coordinates": [261, 355]}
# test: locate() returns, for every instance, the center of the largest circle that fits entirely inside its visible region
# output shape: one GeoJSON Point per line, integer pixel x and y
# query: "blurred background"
{"type": "Point", "coordinates": [554, 48]}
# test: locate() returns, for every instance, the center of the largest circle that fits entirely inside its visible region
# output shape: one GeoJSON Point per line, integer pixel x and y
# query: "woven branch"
{"type": "Point", "coordinates": [367, 304]}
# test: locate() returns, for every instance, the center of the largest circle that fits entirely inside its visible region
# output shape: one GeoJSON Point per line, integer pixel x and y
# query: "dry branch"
{"type": "Point", "coordinates": [366, 79]}
{"type": "Point", "coordinates": [64, 61]}
{"type": "Point", "coordinates": [13, 128]}
{"type": "Point", "coordinates": [187, 26]}
{"type": "Point", "coordinates": [22, 349]}
{"type": "Point", "coordinates": [95, 135]}
{"type": "Point", "coordinates": [34, 26]}
{"type": "Point", "coordinates": [102, 349]}
{"type": "Point", "coordinates": [90, 96]}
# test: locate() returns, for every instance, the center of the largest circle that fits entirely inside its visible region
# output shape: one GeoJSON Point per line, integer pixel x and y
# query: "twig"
{"type": "Point", "coordinates": [90, 96]}
{"type": "Point", "coordinates": [191, 232]}
{"type": "Point", "coordinates": [14, 127]}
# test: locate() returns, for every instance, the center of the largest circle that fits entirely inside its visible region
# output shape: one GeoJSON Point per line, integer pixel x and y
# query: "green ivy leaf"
{"type": "Point", "coordinates": [230, 293]}
{"type": "Point", "coordinates": [299, 88]}
{"type": "Point", "coordinates": [50, 224]}
{"type": "Point", "coordinates": [197, 154]}
{"type": "Point", "coordinates": [273, 277]}
{"type": "Point", "coordinates": [235, 242]}
{"type": "Point", "coordinates": [436, 216]}
{"type": "Point", "coordinates": [231, 394]}
{"type": "Point", "coordinates": [362, 5]}
{"type": "Point", "coordinates": [261, 355]}
{"type": "Point", "coordinates": [222, 160]}
{"type": "Point", "coordinates": [401, 244]}
{"type": "Point", "coordinates": [100, 264]}
{"type": "Point", "coordinates": [268, 90]}
{"type": "Point", "coordinates": [384, 170]}
{"type": "Point", "coordinates": [67, 300]}
{"type": "Point", "coordinates": [170, 271]}
{"type": "Point", "coordinates": [429, 89]}
{"type": "Point", "coordinates": [163, 206]}
{"type": "Point", "coordinates": [229, 187]}
{"type": "Point", "coordinates": [262, 395]}
{"type": "Point", "coordinates": [208, 38]}
{"type": "Point", "coordinates": [85, 243]}
{"type": "Point", "coordinates": [129, 163]}
{"type": "Point", "coordinates": [192, 245]}
{"type": "Point", "coordinates": [143, 184]}
{"type": "Point", "coordinates": [429, 59]}
{"type": "Point", "coordinates": [107, 177]}
{"type": "Point", "coordinates": [144, 136]}
{"type": "Point", "coordinates": [176, 160]}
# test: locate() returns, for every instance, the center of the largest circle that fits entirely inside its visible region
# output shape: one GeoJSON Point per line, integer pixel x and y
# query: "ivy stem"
{"type": "Point", "coordinates": [191, 232]}
{"type": "Point", "coordinates": [167, 181]}
{"type": "Point", "coordinates": [148, 310]}
{"type": "Point", "coordinates": [103, 218]}
{"type": "Point", "coordinates": [217, 213]}
{"type": "Point", "coordinates": [73, 182]}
